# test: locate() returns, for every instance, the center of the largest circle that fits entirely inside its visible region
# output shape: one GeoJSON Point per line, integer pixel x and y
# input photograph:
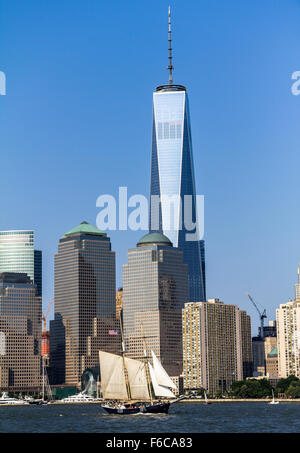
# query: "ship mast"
{"type": "Point", "coordinates": [147, 364]}
{"type": "Point", "coordinates": [124, 365]}
{"type": "Point", "coordinates": [43, 379]}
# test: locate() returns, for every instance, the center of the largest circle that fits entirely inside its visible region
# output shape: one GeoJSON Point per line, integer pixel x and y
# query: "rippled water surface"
{"type": "Point", "coordinates": [183, 418]}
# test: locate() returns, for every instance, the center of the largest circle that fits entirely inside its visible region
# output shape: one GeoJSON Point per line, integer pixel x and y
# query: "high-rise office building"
{"type": "Point", "coordinates": [85, 303]}
{"type": "Point", "coordinates": [155, 288]}
{"type": "Point", "coordinates": [288, 336]}
{"type": "Point", "coordinates": [216, 345]}
{"type": "Point", "coordinates": [297, 286]}
{"type": "Point", "coordinates": [272, 364]}
{"type": "Point", "coordinates": [172, 177]}
{"type": "Point", "coordinates": [246, 343]}
{"type": "Point", "coordinates": [17, 254]}
{"type": "Point", "coordinates": [20, 333]}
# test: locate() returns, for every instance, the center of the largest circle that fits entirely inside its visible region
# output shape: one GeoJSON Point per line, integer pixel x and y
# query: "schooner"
{"type": "Point", "coordinates": [137, 385]}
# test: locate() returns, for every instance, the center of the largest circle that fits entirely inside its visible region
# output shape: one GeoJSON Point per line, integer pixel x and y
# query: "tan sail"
{"type": "Point", "coordinates": [159, 390]}
{"type": "Point", "coordinates": [113, 384]}
{"type": "Point", "coordinates": [161, 375]}
{"type": "Point", "coordinates": [137, 378]}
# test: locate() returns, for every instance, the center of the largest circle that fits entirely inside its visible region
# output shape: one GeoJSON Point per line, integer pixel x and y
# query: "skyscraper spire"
{"type": "Point", "coordinates": [170, 67]}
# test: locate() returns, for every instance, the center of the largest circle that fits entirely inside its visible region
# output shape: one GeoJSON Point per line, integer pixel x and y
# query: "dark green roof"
{"type": "Point", "coordinates": [154, 238]}
{"type": "Point", "coordinates": [273, 353]}
{"type": "Point", "coordinates": [84, 228]}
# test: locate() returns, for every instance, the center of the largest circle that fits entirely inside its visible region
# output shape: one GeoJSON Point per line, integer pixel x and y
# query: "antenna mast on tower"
{"type": "Point", "coordinates": [170, 67]}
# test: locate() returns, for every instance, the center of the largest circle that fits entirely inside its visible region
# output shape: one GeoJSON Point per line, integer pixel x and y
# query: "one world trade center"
{"type": "Point", "coordinates": [172, 177]}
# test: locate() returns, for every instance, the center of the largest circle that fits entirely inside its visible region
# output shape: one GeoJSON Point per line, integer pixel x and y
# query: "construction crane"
{"type": "Point", "coordinates": [262, 316]}
{"type": "Point", "coordinates": [45, 334]}
{"type": "Point", "coordinates": [44, 317]}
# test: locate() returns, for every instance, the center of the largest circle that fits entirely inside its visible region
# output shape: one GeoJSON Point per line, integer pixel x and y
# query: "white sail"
{"type": "Point", "coordinates": [113, 384]}
{"type": "Point", "coordinates": [162, 376]}
{"type": "Point", "coordinates": [159, 390]}
{"type": "Point", "coordinates": [137, 379]}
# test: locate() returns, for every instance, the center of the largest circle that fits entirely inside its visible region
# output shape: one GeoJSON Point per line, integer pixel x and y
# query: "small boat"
{"type": "Point", "coordinates": [31, 400]}
{"type": "Point", "coordinates": [273, 399]}
{"type": "Point", "coordinates": [6, 400]}
{"type": "Point", "coordinates": [134, 386]}
{"type": "Point", "coordinates": [79, 398]}
{"type": "Point", "coordinates": [206, 400]}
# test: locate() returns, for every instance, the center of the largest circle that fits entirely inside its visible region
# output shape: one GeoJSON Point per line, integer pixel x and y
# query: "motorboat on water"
{"type": "Point", "coordinates": [132, 386]}
{"type": "Point", "coordinates": [35, 401]}
{"type": "Point", "coordinates": [6, 400]}
{"type": "Point", "coordinates": [79, 398]}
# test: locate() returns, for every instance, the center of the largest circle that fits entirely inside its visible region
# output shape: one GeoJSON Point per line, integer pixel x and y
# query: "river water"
{"type": "Point", "coordinates": [182, 418]}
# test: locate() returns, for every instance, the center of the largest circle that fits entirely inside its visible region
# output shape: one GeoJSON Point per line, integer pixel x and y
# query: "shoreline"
{"type": "Point", "coordinates": [240, 400]}
{"type": "Point", "coordinates": [188, 400]}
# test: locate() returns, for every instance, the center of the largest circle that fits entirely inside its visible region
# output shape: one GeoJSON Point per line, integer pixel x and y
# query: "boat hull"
{"type": "Point", "coordinates": [161, 408]}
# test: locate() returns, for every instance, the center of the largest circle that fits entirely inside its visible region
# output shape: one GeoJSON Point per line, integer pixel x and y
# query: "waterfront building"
{"type": "Point", "coordinates": [20, 333]}
{"type": "Point", "coordinates": [258, 351]}
{"type": "Point", "coordinates": [297, 286]}
{"type": "Point", "coordinates": [216, 345]}
{"type": "Point", "coordinates": [269, 344]}
{"type": "Point", "coordinates": [244, 326]}
{"type": "Point", "coordinates": [272, 364]}
{"type": "Point", "coordinates": [155, 288]}
{"type": "Point", "coordinates": [85, 303]}
{"type": "Point", "coordinates": [288, 337]}
{"type": "Point", "coordinates": [17, 254]}
{"type": "Point", "coordinates": [172, 178]}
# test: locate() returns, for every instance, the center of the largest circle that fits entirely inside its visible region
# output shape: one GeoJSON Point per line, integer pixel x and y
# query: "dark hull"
{"type": "Point", "coordinates": [161, 408]}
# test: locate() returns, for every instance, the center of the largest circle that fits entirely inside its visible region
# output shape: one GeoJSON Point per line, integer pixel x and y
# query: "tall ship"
{"type": "Point", "coordinates": [131, 386]}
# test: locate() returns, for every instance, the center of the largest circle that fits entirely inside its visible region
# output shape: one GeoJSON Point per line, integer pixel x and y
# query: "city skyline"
{"type": "Point", "coordinates": [248, 246]}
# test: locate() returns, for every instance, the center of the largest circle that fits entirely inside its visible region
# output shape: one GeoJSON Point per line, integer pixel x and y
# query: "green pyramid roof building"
{"type": "Point", "coordinates": [84, 228]}
{"type": "Point", "coordinates": [273, 353]}
{"type": "Point", "coordinates": [154, 238]}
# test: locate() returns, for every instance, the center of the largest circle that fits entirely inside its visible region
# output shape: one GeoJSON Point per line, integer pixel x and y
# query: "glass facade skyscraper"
{"type": "Point", "coordinates": [20, 333]}
{"type": "Point", "coordinates": [172, 175]}
{"type": "Point", "coordinates": [155, 288]}
{"type": "Point", "coordinates": [85, 303]}
{"type": "Point", "coordinates": [17, 254]}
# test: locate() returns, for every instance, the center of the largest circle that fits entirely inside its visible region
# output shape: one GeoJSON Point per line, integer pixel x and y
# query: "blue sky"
{"type": "Point", "coordinates": [76, 123]}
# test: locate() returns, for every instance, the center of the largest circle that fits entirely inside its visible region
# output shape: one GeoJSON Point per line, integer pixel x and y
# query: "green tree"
{"type": "Point", "coordinates": [251, 388]}
{"type": "Point", "coordinates": [293, 390]}
{"type": "Point", "coordinates": [284, 384]}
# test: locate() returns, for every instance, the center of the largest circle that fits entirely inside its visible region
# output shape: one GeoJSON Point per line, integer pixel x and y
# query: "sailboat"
{"type": "Point", "coordinates": [45, 385]}
{"type": "Point", "coordinates": [137, 385]}
{"type": "Point", "coordinates": [273, 399]}
{"type": "Point", "coordinates": [206, 399]}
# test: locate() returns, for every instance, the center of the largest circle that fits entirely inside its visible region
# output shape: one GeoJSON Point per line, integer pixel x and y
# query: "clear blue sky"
{"type": "Point", "coordinates": [76, 123]}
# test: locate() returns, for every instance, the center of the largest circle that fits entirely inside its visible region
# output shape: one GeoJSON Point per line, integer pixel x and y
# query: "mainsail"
{"type": "Point", "coordinates": [161, 375]}
{"type": "Point", "coordinates": [113, 384]}
{"type": "Point", "coordinates": [137, 378]}
{"type": "Point", "coordinates": [113, 379]}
